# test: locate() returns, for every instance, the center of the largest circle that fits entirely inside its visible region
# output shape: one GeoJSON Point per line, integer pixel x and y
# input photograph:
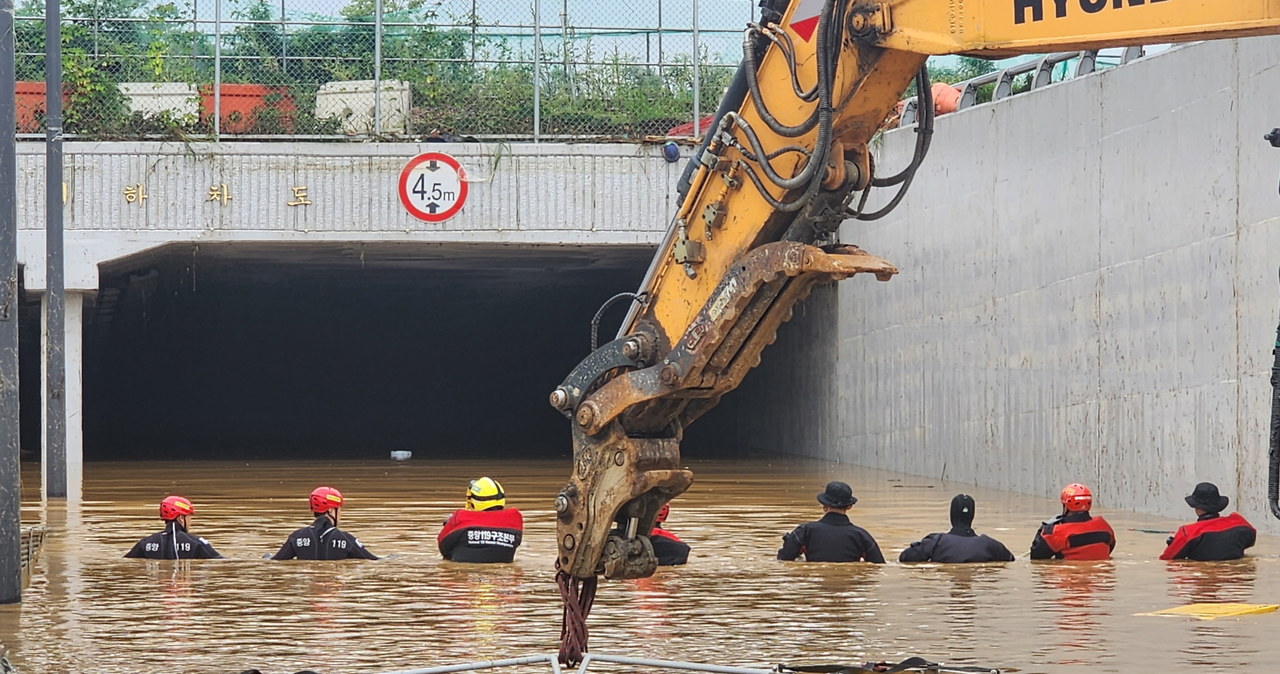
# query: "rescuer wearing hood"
{"type": "Point", "coordinates": [669, 549]}
{"type": "Point", "coordinates": [1074, 534]}
{"type": "Point", "coordinates": [1211, 537]}
{"type": "Point", "coordinates": [174, 542]}
{"type": "Point", "coordinates": [961, 544]}
{"type": "Point", "coordinates": [833, 538]}
{"type": "Point", "coordinates": [322, 539]}
{"type": "Point", "coordinates": [486, 531]}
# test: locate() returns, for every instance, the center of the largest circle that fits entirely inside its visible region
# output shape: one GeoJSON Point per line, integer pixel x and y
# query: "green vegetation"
{"type": "Point", "coordinates": [464, 81]}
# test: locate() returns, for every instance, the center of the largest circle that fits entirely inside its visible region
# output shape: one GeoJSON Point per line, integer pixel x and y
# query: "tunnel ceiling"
{"type": "Point", "coordinates": [341, 350]}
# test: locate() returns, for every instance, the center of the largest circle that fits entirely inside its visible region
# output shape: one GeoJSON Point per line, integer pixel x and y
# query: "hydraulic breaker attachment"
{"type": "Point", "coordinates": [617, 481]}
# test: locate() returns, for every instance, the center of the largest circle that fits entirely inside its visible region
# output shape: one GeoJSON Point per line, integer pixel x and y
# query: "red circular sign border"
{"type": "Point", "coordinates": [403, 187]}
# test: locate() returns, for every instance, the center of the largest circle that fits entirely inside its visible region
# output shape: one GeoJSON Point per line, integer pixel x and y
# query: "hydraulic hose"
{"type": "Point", "coordinates": [732, 100]}
{"type": "Point", "coordinates": [595, 320]}
{"type": "Point", "coordinates": [925, 130]}
{"type": "Point", "coordinates": [1273, 473]}
{"type": "Point", "coordinates": [750, 65]}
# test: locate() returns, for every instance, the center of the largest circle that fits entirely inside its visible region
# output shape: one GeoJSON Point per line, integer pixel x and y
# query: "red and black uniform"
{"type": "Point", "coordinates": [322, 540]}
{"type": "Point", "coordinates": [669, 549]}
{"type": "Point", "coordinates": [831, 539]}
{"type": "Point", "coordinates": [1074, 535]}
{"type": "Point", "coordinates": [1212, 538]}
{"type": "Point", "coordinates": [173, 543]}
{"type": "Point", "coordinates": [961, 545]}
{"type": "Point", "coordinates": [481, 535]}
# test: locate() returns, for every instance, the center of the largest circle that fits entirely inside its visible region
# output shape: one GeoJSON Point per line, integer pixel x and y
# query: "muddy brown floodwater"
{"type": "Point", "coordinates": [89, 610]}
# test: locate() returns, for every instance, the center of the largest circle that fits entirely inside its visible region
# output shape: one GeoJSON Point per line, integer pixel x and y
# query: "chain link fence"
{"type": "Point", "coordinates": [381, 69]}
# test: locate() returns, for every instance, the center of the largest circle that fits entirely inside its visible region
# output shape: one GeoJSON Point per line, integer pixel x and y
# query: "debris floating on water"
{"type": "Point", "coordinates": [1211, 611]}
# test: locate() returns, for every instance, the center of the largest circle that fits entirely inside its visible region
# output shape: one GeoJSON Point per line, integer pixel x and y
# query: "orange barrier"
{"type": "Point", "coordinates": [243, 104]}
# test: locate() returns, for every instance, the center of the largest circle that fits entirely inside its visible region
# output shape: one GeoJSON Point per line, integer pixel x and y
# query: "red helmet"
{"type": "Point", "coordinates": [325, 498]}
{"type": "Point", "coordinates": [173, 507]}
{"type": "Point", "coordinates": [1077, 498]}
{"type": "Point", "coordinates": [662, 513]}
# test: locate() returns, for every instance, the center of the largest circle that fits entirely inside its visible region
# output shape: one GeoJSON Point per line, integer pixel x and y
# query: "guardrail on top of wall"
{"type": "Point", "coordinates": [1040, 74]}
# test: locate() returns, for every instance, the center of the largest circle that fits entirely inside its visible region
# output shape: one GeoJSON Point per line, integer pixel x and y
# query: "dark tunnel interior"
{"type": "Point", "coordinates": [343, 351]}
{"type": "Point", "coordinates": [334, 351]}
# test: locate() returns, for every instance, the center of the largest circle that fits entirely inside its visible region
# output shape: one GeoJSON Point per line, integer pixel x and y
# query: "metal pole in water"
{"type": "Point", "coordinates": [10, 478]}
{"type": "Point", "coordinates": [55, 468]}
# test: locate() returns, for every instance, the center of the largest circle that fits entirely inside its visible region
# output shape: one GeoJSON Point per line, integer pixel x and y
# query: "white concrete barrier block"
{"type": "Point", "coordinates": [154, 98]}
{"type": "Point", "coordinates": [355, 102]}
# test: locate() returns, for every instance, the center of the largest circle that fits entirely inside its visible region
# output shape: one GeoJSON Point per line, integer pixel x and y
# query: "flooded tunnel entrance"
{"type": "Point", "coordinates": [343, 351]}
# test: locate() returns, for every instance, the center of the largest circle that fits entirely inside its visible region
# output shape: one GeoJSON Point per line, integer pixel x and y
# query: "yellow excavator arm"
{"type": "Point", "coordinates": [783, 165]}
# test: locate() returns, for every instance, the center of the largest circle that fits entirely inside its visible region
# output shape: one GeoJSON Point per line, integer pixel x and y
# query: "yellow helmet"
{"type": "Point", "coordinates": [485, 493]}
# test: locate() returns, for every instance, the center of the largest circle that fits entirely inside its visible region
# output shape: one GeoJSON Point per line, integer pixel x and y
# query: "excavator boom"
{"type": "Point", "coordinates": [784, 164]}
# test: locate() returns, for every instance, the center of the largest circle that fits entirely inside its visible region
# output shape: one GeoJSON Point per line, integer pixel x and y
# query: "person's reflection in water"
{"type": "Point", "coordinates": [173, 577]}
{"type": "Point", "coordinates": [850, 590]}
{"type": "Point", "coordinates": [1213, 582]}
{"type": "Point", "coordinates": [1211, 642]}
{"type": "Point", "coordinates": [485, 604]}
{"type": "Point", "coordinates": [178, 599]}
{"type": "Point", "coordinates": [653, 598]}
{"type": "Point", "coordinates": [324, 591]}
{"type": "Point", "coordinates": [961, 606]}
{"type": "Point", "coordinates": [1074, 592]}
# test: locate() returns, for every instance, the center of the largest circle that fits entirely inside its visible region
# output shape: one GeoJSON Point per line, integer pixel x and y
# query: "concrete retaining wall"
{"type": "Point", "coordinates": [1088, 293]}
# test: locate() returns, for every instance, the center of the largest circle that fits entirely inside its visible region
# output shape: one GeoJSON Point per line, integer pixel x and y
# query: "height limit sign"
{"type": "Point", "coordinates": [432, 187]}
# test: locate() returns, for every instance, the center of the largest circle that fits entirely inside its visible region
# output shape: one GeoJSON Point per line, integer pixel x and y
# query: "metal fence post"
{"type": "Point", "coordinates": [537, 69]}
{"type": "Point", "coordinates": [284, 44]}
{"type": "Point", "coordinates": [697, 67]}
{"type": "Point", "coordinates": [377, 68]}
{"type": "Point", "coordinates": [660, 59]}
{"type": "Point", "coordinates": [10, 475]}
{"type": "Point", "coordinates": [55, 455]}
{"type": "Point", "coordinates": [217, 70]}
{"type": "Point", "coordinates": [569, 75]}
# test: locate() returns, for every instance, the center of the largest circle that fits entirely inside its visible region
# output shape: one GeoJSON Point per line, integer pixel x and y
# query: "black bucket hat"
{"type": "Point", "coordinates": [1206, 497]}
{"type": "Point", "coordinates": [837, 495]}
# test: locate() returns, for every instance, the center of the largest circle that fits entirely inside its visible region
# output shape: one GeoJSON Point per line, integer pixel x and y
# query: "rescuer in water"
{"type": "Point", "coordinates": [961, 544]}
{"type": "Point", "coordinates": [669, 549]}
{"type": "Point", "coordinates": [322, 539]}
{"type": "Point", "coordinates": [486, 530]}
{"type": "Point", "coordinates": [1074, 534]}
{"type": "Point", "coordinates": [833, 538]}
{"type": "Point", "coordinates": [174, 542]}
{"type": "Point", "coordinates": [1211, 537]}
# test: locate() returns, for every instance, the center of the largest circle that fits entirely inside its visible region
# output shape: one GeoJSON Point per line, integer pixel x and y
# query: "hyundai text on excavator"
{"type": "Point", "coordinates": [784, 163]}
